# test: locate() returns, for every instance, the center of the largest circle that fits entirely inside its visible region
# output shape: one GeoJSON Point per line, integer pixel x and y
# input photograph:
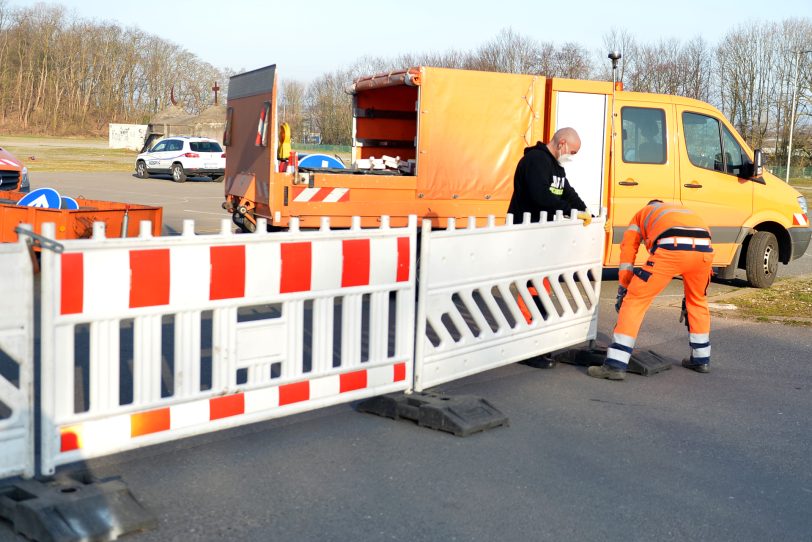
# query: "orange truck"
{"type": "Point", "coordinates": [452, 139]}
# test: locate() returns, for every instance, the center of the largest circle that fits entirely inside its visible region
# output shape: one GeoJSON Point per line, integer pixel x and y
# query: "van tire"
{"type": "Point", "coordinates": [762, 259]}
{"type": "Point", "coordinates": [178, 175]}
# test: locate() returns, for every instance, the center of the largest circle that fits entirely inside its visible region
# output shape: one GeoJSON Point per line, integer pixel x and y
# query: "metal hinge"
{"type": "Point", "coordinates": [36, 240]}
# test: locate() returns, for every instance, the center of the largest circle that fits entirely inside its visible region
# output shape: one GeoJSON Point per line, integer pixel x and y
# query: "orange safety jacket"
{"type": "Point", "coordinates": [666, 226]}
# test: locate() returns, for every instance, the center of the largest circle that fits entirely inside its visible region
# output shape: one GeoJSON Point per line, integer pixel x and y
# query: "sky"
{"type": "Point", "coordinates": [307, 39]}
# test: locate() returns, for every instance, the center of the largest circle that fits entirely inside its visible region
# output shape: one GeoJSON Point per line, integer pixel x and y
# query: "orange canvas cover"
{"type": "Point", "coordinates": [473, 129]}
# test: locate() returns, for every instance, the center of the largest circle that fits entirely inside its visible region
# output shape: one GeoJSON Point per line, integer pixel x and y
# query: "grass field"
{"type": "Point", "coordinates": [788, 301]}
{"type": "Point", "coordinates": [68, 154]}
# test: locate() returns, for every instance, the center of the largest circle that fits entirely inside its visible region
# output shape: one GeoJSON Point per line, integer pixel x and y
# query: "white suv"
{"type": "Point", "coordinates": [182, 157]}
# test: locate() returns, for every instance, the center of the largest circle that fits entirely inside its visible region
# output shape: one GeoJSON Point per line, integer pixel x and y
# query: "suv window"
{"type": "Point", "coordinates": [174, 145]}
{"type": "Point", "coordinates": [160, 147]}
{"type": "Point", "coordinates": [643, 135]}
{"type": "Point", "coordinates": [205, 146]}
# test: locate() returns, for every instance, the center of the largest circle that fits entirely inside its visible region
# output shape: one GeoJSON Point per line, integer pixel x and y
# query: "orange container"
{"type": "Point", "coordinates": [76, 224]}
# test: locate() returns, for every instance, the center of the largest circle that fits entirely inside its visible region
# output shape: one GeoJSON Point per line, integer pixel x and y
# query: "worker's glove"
{"type": "Point", "coordinates": [621, 293]}
{"type": "Point", "coordinates": [683, 313]}
{"type": "Point", "coordinates": [586, 217]}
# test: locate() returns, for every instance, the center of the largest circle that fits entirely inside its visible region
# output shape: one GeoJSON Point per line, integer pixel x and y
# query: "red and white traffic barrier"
{"type": "Point", "coordinates": [354, 287]}
{"type": "Point", "coordinates": [475, 283]}
{"type": "Point", "coordinates": [17, 347]}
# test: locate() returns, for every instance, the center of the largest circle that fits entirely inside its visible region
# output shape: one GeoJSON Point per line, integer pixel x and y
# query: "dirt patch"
{"type": "Point", "coordinates": [788, 301]}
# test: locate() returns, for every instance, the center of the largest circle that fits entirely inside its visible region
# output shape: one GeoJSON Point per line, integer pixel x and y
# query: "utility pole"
{"type": "Point", "coordinates": [793, 105]}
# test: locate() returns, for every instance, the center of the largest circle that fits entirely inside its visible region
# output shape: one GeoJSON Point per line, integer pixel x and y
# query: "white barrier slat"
{"type": "Point", "coordinates": [460, 337]}
{"type": "Point", "coordinates": [164, 293]}
{"type": "Point", "coordinates": [16, 361]}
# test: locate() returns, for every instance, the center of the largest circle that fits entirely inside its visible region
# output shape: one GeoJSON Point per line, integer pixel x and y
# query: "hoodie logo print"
{"type": "Point", "coordinates": [557, 186]}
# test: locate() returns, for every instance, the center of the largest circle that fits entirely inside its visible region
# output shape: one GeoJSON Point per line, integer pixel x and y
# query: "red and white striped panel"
{"type": "Point", "coordinates": [98, 437]}
{"type": "Point", "coordinates": [800, 219]}
{"type": "Point", "coordinates": [323, 195]}
{"type": "Point", "coordinates": [8, 162]}
{"type": "Point", "coordinates": [109, 282]}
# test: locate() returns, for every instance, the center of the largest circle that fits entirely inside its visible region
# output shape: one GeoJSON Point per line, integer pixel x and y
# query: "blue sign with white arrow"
{"type": "Point", "coordinates": [45, 198]}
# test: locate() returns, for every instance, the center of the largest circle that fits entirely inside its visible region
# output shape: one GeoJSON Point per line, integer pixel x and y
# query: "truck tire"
{"type": "Point", "coordinates": [141, 170]}
{"type": "Point", "coordinates": [178, 175]}
{"type": "Point", "coordinates": [762, 259]}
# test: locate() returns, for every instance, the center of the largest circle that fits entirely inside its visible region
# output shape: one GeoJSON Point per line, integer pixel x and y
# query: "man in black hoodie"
{"type": "Point", "coordinates": [540, 183]}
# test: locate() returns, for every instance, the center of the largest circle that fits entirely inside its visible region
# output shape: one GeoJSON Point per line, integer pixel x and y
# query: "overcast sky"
{"type": "Point", "coordinates": [306, 39]}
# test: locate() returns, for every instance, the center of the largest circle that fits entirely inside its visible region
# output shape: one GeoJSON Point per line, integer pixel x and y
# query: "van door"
{"type": "Point", "coordinates": [644, 165]}
{"type": "Point", "coordinates": [711, 160]}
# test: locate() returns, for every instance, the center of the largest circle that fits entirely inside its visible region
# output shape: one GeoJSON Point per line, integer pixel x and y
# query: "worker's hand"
{"type": "Point", "coordinates": [621, 293]}
{"type": "Point", "coordinates": [586, 217]}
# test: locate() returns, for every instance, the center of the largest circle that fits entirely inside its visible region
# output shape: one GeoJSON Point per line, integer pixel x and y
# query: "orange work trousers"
{"type": "Point", "coordinates": [650, 280]}
{"type": "Point", "coordinates": [528, 316]}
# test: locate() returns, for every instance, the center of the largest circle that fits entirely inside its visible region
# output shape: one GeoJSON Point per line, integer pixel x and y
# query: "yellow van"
{"type": "Point", "coordinates": [443, 143]}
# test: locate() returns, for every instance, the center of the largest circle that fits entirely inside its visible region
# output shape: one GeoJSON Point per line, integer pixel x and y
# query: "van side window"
{"type": "Point", "coordinates": [703, 141]}
{"type": "Point", "coordinates": [643, 135]}
{"type": "Point", "coordinates": [734, 156]}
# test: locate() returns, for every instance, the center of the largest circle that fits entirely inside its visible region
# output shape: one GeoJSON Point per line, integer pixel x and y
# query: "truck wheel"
{"type": "Point", "coordinates": [762, 259]}
{"type": "Point", "coordinates": [141, 170]}
{"type": "Point", "coordinates": [178, 175]}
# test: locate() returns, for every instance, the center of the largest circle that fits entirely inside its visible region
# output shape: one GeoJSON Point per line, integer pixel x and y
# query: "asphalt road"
{"type": "Point", "coordinates": [675, 456]}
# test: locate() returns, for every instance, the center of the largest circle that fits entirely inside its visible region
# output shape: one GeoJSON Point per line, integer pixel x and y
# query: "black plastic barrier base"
{"type": "Point", "coordinates": [461, 415]}
{"type": "Point", "coordinates": [73, 509]}
{"type": "Point", "coordinates": [642, 362]}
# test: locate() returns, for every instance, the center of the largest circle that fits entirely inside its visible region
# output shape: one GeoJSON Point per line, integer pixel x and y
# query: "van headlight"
{"type": "Point", "coordinates": [24, 182]}
{"type": "Point", "coordinates": [802, 203]}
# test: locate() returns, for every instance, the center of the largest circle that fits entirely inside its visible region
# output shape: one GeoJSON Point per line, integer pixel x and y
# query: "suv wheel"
{"type": "Point", "coordinates": [178, 175]}
{"type": "Point", "coordinates": [762, 259]}
{"type": "Point", "coordinates": [141, 170]}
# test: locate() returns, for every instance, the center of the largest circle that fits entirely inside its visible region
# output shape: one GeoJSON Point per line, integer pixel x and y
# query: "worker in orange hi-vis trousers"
{"type": "Point", "coordinates": [679, 243]}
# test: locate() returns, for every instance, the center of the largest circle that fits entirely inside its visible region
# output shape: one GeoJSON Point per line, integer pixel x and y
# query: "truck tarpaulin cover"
{"type": "Point", "coordinates": [467, 156]}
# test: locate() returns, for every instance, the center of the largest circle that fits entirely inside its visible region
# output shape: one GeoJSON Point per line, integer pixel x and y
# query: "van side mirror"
{"type": "Point", "coordinates": [758, 163]}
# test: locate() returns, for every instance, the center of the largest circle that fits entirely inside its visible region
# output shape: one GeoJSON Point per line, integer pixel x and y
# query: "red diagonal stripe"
{"type": "Point", "coordinates": [73, 278]}
{"type": "Point", "coordinates": [296, 262]}
{"type": "Point", "coordinates": [149, 277]}
{"type": "Point", "coordinates": [355, 268]}
{"type": "Point", "coordinates": [227, 272]}
{"type": "Point", "coordinates": [320, 194]}
{"type": "Point", "coordinates": [404, 259]}
{"type": "Point", "coordinates": [345, 196]}
{"type": "Point", "coordinates": [224, 407]}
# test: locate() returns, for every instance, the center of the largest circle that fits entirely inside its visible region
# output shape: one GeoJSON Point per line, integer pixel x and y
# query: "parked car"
{"type": "Point", "coordinates": [182, 157]}
{"type": "Point", "coordinates": [13, 174]}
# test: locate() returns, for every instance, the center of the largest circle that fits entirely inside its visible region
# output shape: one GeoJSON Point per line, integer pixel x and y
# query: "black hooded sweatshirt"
{"type": "Point", "coordinates": [540, 184]}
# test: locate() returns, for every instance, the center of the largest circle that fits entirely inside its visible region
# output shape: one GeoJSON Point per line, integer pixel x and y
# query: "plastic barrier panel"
{"type": "Point", "coordinates": [151, 339]}
{"type": "Point", "coordinates": [16, 361]}
{"type": "Point", "coordinates": [500, 294]}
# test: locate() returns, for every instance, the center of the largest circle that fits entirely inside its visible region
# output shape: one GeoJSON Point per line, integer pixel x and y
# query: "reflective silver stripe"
{"type": "Point", "coordinates": [683, 241]}
{"type": "Point", "coordinates": [665, 212]}
{"type": "Point", "coordinates": [626, 267]}
{"type": "Point", "coordinates": [618, 355]}
{"type": "Point", "coordinates": [633, 227]}
{"type": "Point", "coordinates": [625, 340]}
{"type": "Point", "coordinates": [699, 337]}
{"type": "Point", "coordinates": [701, 352]}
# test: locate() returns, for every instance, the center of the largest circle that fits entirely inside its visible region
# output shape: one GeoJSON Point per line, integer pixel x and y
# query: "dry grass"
{"type": "Point", "coordinates": [68, 154]}
{"type": "Point", "coordinates": [788, 301]}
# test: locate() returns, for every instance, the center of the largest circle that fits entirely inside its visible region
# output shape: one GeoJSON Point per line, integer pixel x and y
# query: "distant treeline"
{"type": "Point", "coordinates": [61, 74]}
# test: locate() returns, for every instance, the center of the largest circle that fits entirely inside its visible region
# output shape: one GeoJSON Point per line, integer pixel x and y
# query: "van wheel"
{"type": "Point", "coordinates": [762, 259]}
{"type": "Point", "coordinates": [141, 170]}
{"type": "Point", "coordinates": [178, 175]}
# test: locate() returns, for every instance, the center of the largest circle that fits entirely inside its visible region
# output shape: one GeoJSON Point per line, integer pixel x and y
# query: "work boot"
{"type": "Point", "coordinates": [698, 367]}
{"type": "Point", "coordinates": [607, 372]}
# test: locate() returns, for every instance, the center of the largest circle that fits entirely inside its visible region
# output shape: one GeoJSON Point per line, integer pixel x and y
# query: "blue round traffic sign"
{"type": "Point", "coordinates": [320, 160]}
{"type": "Point", "coordinates": [46, 198]}
{"type": "Point", "coordinates": [69, 203]}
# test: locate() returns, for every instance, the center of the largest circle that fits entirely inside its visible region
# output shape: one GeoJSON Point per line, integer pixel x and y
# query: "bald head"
{"type": "Point", "coordinates": [565, 141]}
